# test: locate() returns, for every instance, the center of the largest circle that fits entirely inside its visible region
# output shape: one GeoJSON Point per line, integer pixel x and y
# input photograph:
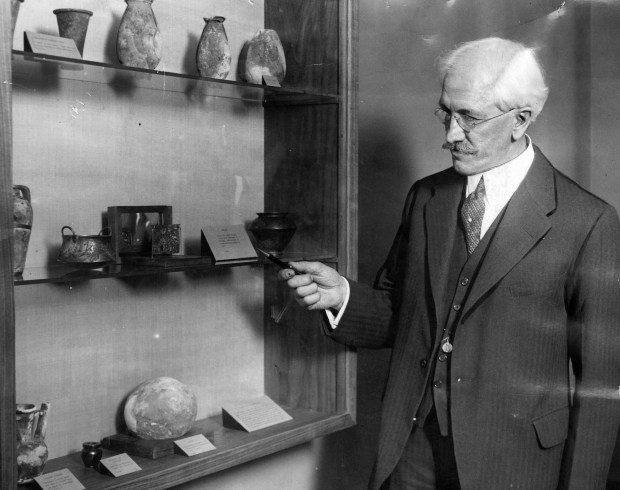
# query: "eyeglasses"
{"type": "Point", "coordinates": [466, 122]}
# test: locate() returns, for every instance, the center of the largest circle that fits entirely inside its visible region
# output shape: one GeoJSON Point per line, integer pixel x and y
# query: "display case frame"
{"type": "Point", "coordinates": [326, 403]}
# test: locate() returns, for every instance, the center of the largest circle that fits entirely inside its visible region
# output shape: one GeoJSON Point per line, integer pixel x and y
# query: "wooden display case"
{"type": "Point", "coordinates": [88, 134]}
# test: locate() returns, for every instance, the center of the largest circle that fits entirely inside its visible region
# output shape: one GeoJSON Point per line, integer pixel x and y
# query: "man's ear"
{"type": "Point", "coordinates": [523, 118]}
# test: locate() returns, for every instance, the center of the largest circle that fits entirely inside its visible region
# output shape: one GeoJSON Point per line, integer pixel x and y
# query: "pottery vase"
{"type": "Point", "coordinates": [31, 449]}
{"type": "Point", "coordinates": [263, 56]}
{"type": "Point", "coordinates": [22, 226]}
{"type": "Point", "coordinates": [273, 230]}
{"type": "Point", "coordinates": [138, 43]}
{"type": "Point", "coordinates": [73, 24]}
{"type": "Point", "coordinates": [213, 52]}
{"type": "Point", "coordinates": [15, 4]}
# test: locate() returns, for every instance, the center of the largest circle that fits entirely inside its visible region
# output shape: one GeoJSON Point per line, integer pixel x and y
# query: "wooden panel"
{"type": "Point", "coordinates": [7, 339]}
{"type": "Point", "coordinates": [301, 174]}
{"type": "Point", "coordinates": [309, 34]}
{"type": "Point", "coordinates": [302, 365]}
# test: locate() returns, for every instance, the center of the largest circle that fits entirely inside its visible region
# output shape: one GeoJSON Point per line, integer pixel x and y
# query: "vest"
{"type": "Point", "coordinates": [462, 274]}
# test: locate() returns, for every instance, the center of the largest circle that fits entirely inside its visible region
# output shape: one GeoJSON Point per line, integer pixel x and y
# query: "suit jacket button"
{"type": "Point", "coordinates": [423, 363]}
{"type": "Point", "coordinates": [442, 357]}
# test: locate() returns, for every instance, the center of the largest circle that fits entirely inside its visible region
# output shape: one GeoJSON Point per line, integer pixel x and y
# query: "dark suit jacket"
{"type": "Point", "coordinates": [548, 291]}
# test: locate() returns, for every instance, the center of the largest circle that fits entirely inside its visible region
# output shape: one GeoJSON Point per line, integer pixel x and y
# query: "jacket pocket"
{"type": "Point", "coordinates": [552, 428]}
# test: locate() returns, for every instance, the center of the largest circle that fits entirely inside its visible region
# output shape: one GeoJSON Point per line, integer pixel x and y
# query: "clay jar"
{"type": "Point", "coordinates": [273, 230]}
{"type": "Point", "coordinates": [213, 52]}
{"type": "Point", "coordinates": [22, 226]}
{"type": "Point", "coordinates": [138, 43]}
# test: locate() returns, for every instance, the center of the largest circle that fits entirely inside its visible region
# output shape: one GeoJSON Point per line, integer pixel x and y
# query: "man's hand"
{"type": "Point", "coordinates": [316, 286]}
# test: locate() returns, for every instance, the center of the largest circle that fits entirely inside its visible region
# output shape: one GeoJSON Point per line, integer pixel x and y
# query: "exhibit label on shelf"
{"type": "Point", "coordinates": [271, 81]}
{"type": "Point", "coordinates": [120, 465]}
{"type": "Point", "coordinates": [254, 414]}
{"type": "Point", "coordinates": [59, 480]}
{"type": "Point", "coordinates": [190, 446]}
{"type": "Point", "coordinates": [38, 43]}
{"type": "Point", "coordinates": [227, 244]}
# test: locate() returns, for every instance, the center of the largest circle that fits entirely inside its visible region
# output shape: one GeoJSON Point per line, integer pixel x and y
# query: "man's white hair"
{"type": "Point", "coordinates": [508, 72]}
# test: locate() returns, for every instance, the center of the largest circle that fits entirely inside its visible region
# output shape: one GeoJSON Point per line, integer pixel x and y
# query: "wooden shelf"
{"type": "Point", "coordinates": [129, 78]}
{"type": "Point", "coordinates": [232, 448]}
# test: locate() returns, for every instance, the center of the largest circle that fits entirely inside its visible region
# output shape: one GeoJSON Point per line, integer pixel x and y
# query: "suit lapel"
{"type": "Point", "coordinates": [441, 219]}
{"type": "Point", "coordinates": [524, 223]}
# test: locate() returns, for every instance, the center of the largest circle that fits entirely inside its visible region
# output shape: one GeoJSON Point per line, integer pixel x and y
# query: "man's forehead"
{"type": "Point", "coordinates": [465, 93]}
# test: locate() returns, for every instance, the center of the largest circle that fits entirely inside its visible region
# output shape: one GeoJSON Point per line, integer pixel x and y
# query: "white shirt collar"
{"type": "Point", "coordinates": [506, 177]}
{"type": "Point", "coordinates": [501, 182]}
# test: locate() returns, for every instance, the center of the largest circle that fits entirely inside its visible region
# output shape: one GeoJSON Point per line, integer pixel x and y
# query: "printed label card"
{"type": "Point", "coordinates": [190, 446]}
{"type": "Point", "coordinates": [254, 414]}
{"type": "Point", "coordinates": [120, 465]}
{"type": "Point", "coordinates": [59, 480]}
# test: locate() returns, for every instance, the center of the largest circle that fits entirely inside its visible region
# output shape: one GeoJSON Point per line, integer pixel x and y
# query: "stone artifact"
{"type": "Point", "coordinates": [161, 408]}
{"type": "Point", "coordinates": [264, 55]}
{"type": "Point", "coordinates": [22, 226]}
{"type": "Point", "coordinates": [213, 52]}
{"type": "Point", "coordinates": [273, 230]}
{"type": "Point", "coordinates": [73, 24]}
{"type": "Point", "coordinates": [31, 449]}
{"type": "Point", "coordinates": [138, 43]}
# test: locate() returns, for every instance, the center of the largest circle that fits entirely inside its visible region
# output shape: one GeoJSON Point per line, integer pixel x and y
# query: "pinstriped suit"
{"type": "Point", "coordinates": [547, 291]}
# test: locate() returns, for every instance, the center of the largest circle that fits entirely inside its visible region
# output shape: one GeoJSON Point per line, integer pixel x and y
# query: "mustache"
{"type": "Point", "coordinates": [460, 147]}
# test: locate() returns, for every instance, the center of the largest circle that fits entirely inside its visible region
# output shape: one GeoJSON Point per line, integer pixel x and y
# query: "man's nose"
{"type": "Point", "coordinates": [454, 132]}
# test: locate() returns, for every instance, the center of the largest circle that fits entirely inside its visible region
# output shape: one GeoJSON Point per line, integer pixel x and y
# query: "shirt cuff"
{"type": "Point", "coordinates": [335, 319]}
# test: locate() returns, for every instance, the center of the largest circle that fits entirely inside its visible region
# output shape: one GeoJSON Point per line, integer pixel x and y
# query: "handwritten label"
{"type": "Point", "coordinates": [119, 465]}
{"type": "Point", "coordinates": [47, 44]}
{"type": "Point", "coordinates": [271, 81]}
{"type": "Point", "coordinates": [59, 480]}
{"type": "Point", "coordinates": [256, 414]}
{"type": "Point", "coordinates": [194, 445]}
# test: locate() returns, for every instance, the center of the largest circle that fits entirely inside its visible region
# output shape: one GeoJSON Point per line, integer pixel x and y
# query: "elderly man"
{"type": "Point", "coordinates": [503, 275]}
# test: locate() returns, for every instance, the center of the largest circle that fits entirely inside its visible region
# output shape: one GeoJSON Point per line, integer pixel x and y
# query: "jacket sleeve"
{"type": "Point", "coordinates": [369, 318]}
{"type": "Point", "coordinates": [593, 301]}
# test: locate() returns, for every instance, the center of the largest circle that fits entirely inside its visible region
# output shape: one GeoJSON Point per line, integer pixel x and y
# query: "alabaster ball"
{"type": "Point", "coordinates": [161, 408]}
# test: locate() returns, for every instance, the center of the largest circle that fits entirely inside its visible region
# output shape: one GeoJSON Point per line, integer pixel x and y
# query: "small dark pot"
{"type": "Point", "coordinates": [273, 230]}
{"type": "Point", "coordinates": [91, 454]}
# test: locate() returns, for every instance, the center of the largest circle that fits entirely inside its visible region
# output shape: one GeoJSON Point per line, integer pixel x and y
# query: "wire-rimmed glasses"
{"type": "Point", "coordinates": [466, 122]}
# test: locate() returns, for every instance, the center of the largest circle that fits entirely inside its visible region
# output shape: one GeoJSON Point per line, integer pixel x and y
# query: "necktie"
{"type": "Point", "coordinates": [472, 213]}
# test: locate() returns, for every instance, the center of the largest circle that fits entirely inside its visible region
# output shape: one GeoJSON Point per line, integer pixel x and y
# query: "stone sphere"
{"type": "Point", "coordinates": [161, 408]}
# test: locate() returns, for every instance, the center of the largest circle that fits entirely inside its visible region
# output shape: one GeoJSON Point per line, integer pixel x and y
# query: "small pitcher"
{"type": "Point", "coordinates": [31, 449]}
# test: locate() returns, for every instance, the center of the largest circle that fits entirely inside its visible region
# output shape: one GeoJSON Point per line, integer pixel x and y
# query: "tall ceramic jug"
{"type": "Point", "coordinates": [22, 226]}
{"type": "Point", "coordinates": [31, 449]}
{"type": "Point", "coordinates": [138, 43]}
{"type": "Point", "coordinates": [213, 52]}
